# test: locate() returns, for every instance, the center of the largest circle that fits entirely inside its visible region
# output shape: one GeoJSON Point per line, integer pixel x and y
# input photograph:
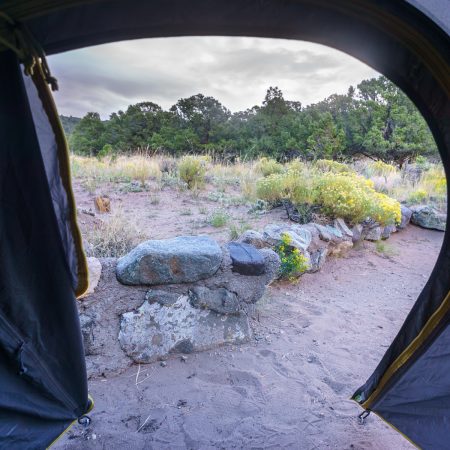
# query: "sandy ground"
{"type": "Point", "coordinates": [315, 343]}
{"type": "Point", "coordinates": [165, 213]}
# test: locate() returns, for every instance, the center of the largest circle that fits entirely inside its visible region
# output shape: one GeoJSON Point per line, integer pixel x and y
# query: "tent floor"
{"type": "Point", "coordinates": [315, 342]}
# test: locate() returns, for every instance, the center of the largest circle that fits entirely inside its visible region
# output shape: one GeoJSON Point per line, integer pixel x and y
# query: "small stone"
{"type": "Point", "coordinates": [343, 228]}
{"type": "Point", "coordinates": [183, 358]}
{"type": "Point", "coordinates": [253, 238]}
{"type": "Point", "coordinates": [406, 217]}
{"type": "Point", "coordinates": [387, 231]}
{"type": "Point", "coordinates": [219, 300]}
{"type": "Point", "coordinates": [374, 234]}
{"type": "Point", "coordinates": [357, 231]}
{"type": "Point", "coordinates": [181, 403]}
{"type": "Point", "coordinates": [163, 364]}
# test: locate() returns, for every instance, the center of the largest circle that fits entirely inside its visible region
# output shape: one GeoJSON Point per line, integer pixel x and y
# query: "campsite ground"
{"type": "Point", "coordinates": [315, 342]}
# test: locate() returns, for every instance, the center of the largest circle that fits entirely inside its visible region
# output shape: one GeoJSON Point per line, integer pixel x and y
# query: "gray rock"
{"type": "Point", "coordinates": [357, 231]}
{"type": "Point", "coordinates": [373, 234]}
{"type": "Point", "coordinates": [219, 300]}
{"type": "Point", "coordinates": [246, 259]}
{"type": "Point", "coordinates": [387, 231]}
{"type": "Point", "coordinates": [428, 217]}
{"type": "Point", "coordinates": [325, 233]}
{"type": "Point", "coordinates": [340, 225]}
{"type": "Point", "coordinates": [273, 234]}
{"type": "Point", "coordinates": [87, 324]}
{"type": "Point", "coordinates": [406, 217]}
{"type": "Point", "coordinates": [303, 232]}
{"type": "Point", "coordinates": [154, 331]}
{"type": "Point", "coordinates": [317, 259]}
{"type": "Point", "coordinates": [253, 238]}
{"type": "Point", "coordinates": [180, 260]}
{"type": "Point", "coordinates": [164, 298]}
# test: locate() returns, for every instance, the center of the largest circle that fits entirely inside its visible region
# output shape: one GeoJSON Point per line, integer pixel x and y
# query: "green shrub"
{"type": "Point", "coordinates": [268, 166]}
{"type": "Point", "coordinates": [219, 219]}
{"type": "Point", "coordinates": [271, 188]}
{"type": "Point", "coordinates": [418, 196]}
{"type": "Point", "coordinates": [380, 168]}
{"type": "Point", "coordinates": [106, 150]}
{"type": "Point", "coordinates": [192, 170]}
{"type": "Point", "coordinates": [293, 263]}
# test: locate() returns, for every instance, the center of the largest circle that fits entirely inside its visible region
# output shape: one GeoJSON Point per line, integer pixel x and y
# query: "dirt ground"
{"type": "Point", "coordinates": [315, 343]}
{"type": "Point", "coordinates": [164, 213]}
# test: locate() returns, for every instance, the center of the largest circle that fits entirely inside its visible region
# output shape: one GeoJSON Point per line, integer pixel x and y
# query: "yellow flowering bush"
{"type": "Point", "coordinates": [293, 263]}
{"type": "Point", "coordinates": [354, 198]}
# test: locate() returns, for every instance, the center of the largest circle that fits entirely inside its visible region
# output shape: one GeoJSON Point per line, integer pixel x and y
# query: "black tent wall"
{"type": "Point", "coordinates": [392, 36]}
{"type": "Point", "coordinates": [43, 378]}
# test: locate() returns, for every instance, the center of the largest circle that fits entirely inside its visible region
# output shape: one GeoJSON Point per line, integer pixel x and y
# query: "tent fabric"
{"type": "Point", "coordinates": [42, 370]}
{"type": "Point", "coordinates": [393, 36]}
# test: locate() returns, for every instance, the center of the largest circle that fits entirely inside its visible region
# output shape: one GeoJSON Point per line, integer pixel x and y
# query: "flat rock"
{"type": "Point", "coordinates": [184, 259]}
{"type": "Point", "coordinates": [164, 298]}
{"type": "Point", "coordinates": [246, 259]}
{"type": "Point", "coordinates": [273, 234]}
{"type": "Point", "coordinates": [428, 217]}
{"type": "Point", "coordinates": [219, 300]}
{"type": "Point", "coordinates": [340, 225]}
{"type": "Point", "coordinates": [406, 217]}
{"type": "Point", "coordinates": [154, 331]}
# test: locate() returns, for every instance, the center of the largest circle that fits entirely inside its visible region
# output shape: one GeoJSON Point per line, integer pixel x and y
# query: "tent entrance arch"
{"type": "Point", "coordinates": [43, 265]}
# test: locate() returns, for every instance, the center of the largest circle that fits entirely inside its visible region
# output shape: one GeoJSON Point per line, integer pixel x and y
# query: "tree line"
{"type": "Point", "coordinates": [375, 119]}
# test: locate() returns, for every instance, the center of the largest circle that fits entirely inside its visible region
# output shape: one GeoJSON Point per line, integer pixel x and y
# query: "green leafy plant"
{"type": "Point", "coordinates": [293, 263]}
{"type": "Point", "coordinates": [268, 166]}
{"type": "Point", "coordinates": [219, 219]}
{"type": "Point", "coordinates": [192, 170]}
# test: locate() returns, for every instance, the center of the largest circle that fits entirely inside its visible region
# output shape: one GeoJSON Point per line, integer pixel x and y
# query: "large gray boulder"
{"type": "Point", "coordinates": [428, 217]}
{"type": "Point", "coordinates": [154, 330]}
{"type": "Point", "coordinates": [184, 259]}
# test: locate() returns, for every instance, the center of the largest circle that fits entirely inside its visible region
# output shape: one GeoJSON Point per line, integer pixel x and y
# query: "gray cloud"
{"type": "Point", "coordinates": [237, 71]}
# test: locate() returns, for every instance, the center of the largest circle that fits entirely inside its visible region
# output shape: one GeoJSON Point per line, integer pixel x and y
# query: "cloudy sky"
{"type": "Point", "coordinates": [237, 71]}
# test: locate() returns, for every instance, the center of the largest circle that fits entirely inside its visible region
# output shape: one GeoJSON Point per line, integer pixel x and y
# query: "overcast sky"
{"type": "Point", "coordinates": [237, 71]}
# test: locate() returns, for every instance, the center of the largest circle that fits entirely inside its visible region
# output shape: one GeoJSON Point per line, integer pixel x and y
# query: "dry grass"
{"type": "Point", "coordinates": [113, 237]}
{"type": "Point", "coordinates": [428, 186]}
